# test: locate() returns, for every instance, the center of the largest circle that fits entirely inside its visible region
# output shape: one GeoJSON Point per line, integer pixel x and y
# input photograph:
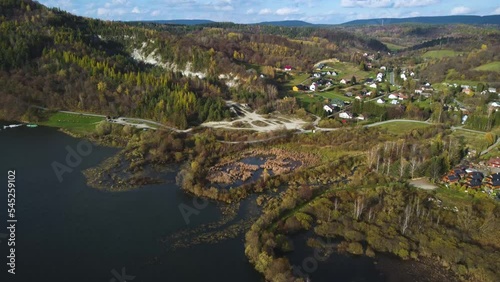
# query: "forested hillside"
{"type": "Point", "coordinates": [173, 74]}
{"type": "Point", "coordinates": [54, 59]}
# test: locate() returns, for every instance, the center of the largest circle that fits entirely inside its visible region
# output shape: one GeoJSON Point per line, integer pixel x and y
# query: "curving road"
{"type": "Point", "coordinates": [397, 120]}
{"type": "Point", "coordinates": [490, 148]}
{"type": "Point", "coordinates": [249, 117]}
{"type": "Point", "coordinates": [135, 122]}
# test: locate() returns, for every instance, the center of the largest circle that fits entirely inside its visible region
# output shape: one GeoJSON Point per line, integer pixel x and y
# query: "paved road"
{"type": "Point", "coordinates": [135, 122]}
{"type": "Point", "coordinates": [147, 124]}
{"type": "Point", "coordinates": [490, 147]}
{"type": "Point", "coordinates": [397, 120]}
{"type": "Point", "coordinates": [465, 129]}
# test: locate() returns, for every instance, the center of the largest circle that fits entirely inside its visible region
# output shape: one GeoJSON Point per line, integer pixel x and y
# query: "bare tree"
{"type": "Point", "coordinates": [405, 222]}
{"type": "Point", "coordinates": [402, 166]}
{"type": "Point", "coordinates": [372, 156]}
{"type": "Point", "coordinates": [411, 212]}
{"type": "Point", "coordinates": [359, 206]}
{"type": "Point", "coordinates": [413, 166]}
{"type": "Point", "coordinates": [465, 218]}
{"type": "Point", "coordinates": [378, 161]}
{"type": "Point", "coordinates": [370, 214]}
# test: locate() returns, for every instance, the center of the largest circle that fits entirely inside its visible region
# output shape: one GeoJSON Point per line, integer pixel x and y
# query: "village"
{"type": "Point", "coordinates": [344, 90]}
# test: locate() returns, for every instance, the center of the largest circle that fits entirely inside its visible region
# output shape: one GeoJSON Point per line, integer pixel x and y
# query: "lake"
{"type": "Point", "coordinates": [67, 231]}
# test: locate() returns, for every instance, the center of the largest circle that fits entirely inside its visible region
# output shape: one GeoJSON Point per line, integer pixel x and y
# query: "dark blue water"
{"type": "Point", "coordinates": [67, 231]}
{"type": "Point", "coordinates": [343, 267]}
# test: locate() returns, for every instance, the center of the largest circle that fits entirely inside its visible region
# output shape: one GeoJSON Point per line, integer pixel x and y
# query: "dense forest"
{"type": "Point", "coordinates": [348, 185]}
{"type": "Point", "coordinates": [171, 74]}
{"type": "Point", "coordinates": [366, 220]}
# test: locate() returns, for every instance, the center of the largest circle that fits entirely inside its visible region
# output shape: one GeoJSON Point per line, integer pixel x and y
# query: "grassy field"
{"type": "Point", "coordinates": [493, 66]}
{"type": "Point", "coordinates": [78, 124]}
{"type": "Point", "coordinates": [438, 54]}
{"type": "Point", "coordinates": [473, 140]}
{"type": "Point", "coordinates": [393, 47]}
{"type": "Point", "coordinates": [402, 127]}
{"type": "Point", "coordinates": [307, 98]}
{"type": "Point", "coordinates": [297, 79]}
{"type": "Point", "coordinates": [455, 197]}
{"type": "Point", "coordinates": [334, 95]}
{"type": "Point", "coordinates": [347, 70]}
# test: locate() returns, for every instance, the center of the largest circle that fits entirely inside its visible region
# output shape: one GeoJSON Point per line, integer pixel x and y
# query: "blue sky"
{"type": "Point", "coordinates": [251, 11]}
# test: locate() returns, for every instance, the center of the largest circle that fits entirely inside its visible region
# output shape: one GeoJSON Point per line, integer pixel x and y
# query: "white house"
{"type": "Point", "coordinates": [343, 81]}
{"type": "Point", "coordinates": [464, 119]}
{"type": "Point", "coordinates": [412, 74]}
{"type": "Point", "coordinates": [333, 73]}
{"type": "Point", "coordinates": [358, 97]}
{"type": "Point", "coordinates": [373, 85]}
{"type": "Point", "coordinates": [392, 96]}
{"type": "Point", "coordinates": [313, 86]}
{"type": "Point", "coordinates": [327, 108]}
{"type": "Point", "coordinates": [403, 76]}
{"type": "Point", "coordinates": [317, 75]}
{"type": "Point", "coordinates": [383, 68]}
{"type": "Point", "coordinates": [380, 76]}
{"type": "Point", "coordinates": [380, 101]}
{"type": "Point", "coordinates": [492, 90]}
{"type": "Point", "coordinates": [360, 117]}
{"type": "Point", "coordinates": [369, 93]}
{"type": "Point", "coordinates": [394, 102]}
{"type": "Point", "coordinates": [345, 115]}
{"type": "Point", "coordinates": [418, 91]}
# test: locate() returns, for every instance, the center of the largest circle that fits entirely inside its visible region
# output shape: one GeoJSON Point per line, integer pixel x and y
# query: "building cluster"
{"type": "Point", "coordinates": [474, 179]}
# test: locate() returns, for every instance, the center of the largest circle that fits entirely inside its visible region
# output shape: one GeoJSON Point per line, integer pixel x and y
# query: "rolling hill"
{"type": "Point", "coordinates": [493, 19]}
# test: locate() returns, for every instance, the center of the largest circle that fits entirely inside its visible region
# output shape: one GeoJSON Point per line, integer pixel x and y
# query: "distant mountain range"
{"type": "Point", "coordinates": [287, 23]}
{"type": "Point", "coordinates": [493, 19]}
{"type": "Point", "coordinates": [181, 21]}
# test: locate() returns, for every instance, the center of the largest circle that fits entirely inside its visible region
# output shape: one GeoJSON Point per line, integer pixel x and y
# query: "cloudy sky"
{"type": "Point", "coordinates": [251, 11]}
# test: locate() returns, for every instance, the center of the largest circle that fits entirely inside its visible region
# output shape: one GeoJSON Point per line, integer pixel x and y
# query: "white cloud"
{"type": "Point", "coordinates": [287, 11]}
{"type": "Point", "coordinates": [102, 11]}
{"type": "Point", "coordinates": [497, 11]}
{"type": "Point", "coordinates": [155, 13]}
{"type": "Point", "coordinates": [413, 3]}
{"type": "Point", "coordinates": [224, 8]}
{"type": "Point", "coordinates": [460, 10]}
{"type": "Point", "coordinates": [250, 12]}
{"type": "Point", "coordinates": [265, 12]}
{"type": "Point", "coordinates": [136, 10]}
{"type": "Point", "coordinates": [110, 12]}
{"type": "Point", "coordinates": [366, 3]}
